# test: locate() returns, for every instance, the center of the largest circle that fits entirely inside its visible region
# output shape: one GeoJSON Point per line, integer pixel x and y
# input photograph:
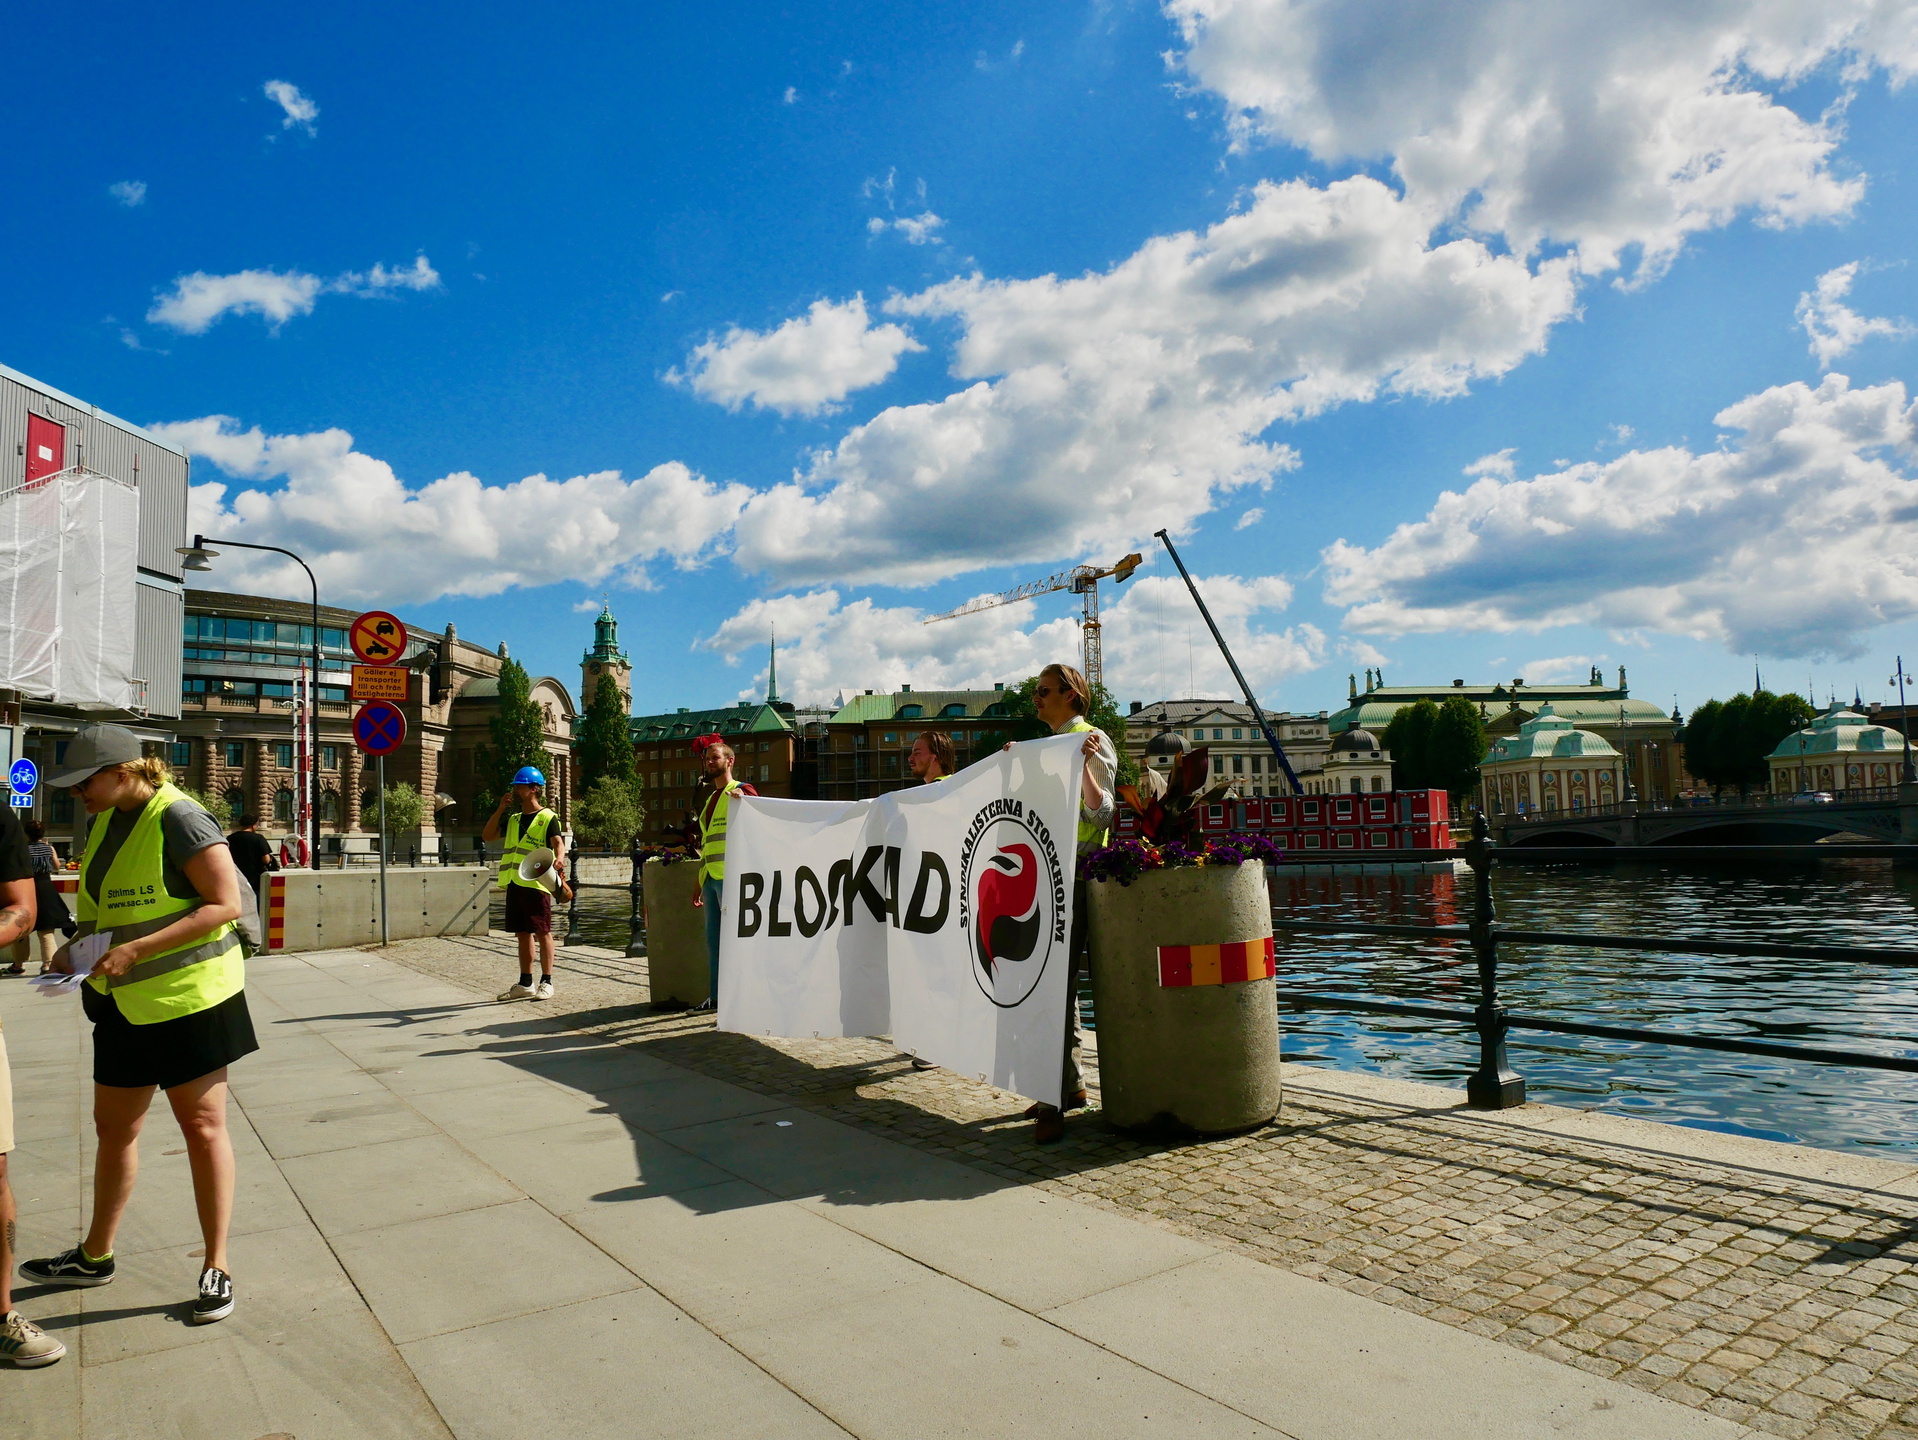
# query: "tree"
{"type": "Point", "coordinates": [605, 739]}
{"type": "Point", "coordinates": [213, 805]}
{"type": "Point", "coordinates": [611, 812]}
{"type": "Point", "coordinates": [405, 807]}
{"type": "Point", "coordinates": [518, 733]}
{"type": "Point", "coordinates": [1727, 743]}
{"type": "Point", "coordinates": [1408, 740]}
{"type": "Point", "coordinates": [1456, 747]}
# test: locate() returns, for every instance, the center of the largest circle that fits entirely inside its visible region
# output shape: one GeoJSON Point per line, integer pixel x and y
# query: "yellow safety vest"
{"type": "Point", "coordinates": [133, 902]}
{"type": "Point", "coordinates": [522, 840]}
{"type": "Point", "coordinates": [1088, 832]}
{"type": "Point", "coordinates": [712, 838]}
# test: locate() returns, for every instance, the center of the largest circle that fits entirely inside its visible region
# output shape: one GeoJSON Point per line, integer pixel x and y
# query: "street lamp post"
{"type": "Point", "coordinates": [197, 556]}
{"type": "Point", "coordinates": [1905, 774]}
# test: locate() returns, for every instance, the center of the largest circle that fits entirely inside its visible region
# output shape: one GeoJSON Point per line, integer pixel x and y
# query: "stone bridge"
{"type": "Point", "coordinates": [1887, 815]}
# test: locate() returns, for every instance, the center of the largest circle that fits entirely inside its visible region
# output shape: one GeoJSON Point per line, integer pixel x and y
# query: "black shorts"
{"type": "Point", "coordinates": [528, 911]}
{"type": "Point", "coordinates": [170, 1052]}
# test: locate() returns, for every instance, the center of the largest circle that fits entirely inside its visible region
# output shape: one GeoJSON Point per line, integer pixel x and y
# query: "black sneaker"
{"type": "Point", "coordinates": [216, 1297]}
{"type": "Point", "coordinates": [69, 1267]}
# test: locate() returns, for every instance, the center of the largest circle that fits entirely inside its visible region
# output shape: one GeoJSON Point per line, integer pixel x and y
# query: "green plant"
{"type": "Point", "coordinates": [611, 812]}
{"type": "Point", "coordinates": [1456, 748]}
{"type": "Point", "coordinates": [1727, 742]}
{"type": "Point", "coordinates": [518, 733]}
{"type": "Point", "coordinates": [214, 805]}
{"type": "Point", "coordinates": [404, 808]}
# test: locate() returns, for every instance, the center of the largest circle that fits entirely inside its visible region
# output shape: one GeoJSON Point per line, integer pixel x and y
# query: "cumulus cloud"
{"type": "Point", "coordinates": [1106, 406]}
{"type": "Point", "coordinates": [1557, 669]}
{"type": "Point", "coordinates": [129, 192]}
{"type": "Point", "coordinates": [922, 229]}
{"type": "Point", "coordinates": [369, 536]}
{"type": "Point", "coordinates": [1250, 518]}
{"type": "Point", "coordinates": [805, 367]}
{"type": "Point", "coordinates": [1794, 541]}
{"type": "Point", "coordinates": [829, 644]}
{"type": "Point", "coordinates": [1834, 327]}
{"type": "Point", "coordinates": [198, 301]}
{"type": "Point", "coordinates": [1601, 129]}
{"type": "Point", "coordinates": [298, 109]}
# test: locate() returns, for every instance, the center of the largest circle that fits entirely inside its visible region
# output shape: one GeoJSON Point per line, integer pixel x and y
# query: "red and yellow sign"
{"type": "Point", "coordinates": [378, 638]}
{"type": "Point", "coordinates": [1228, 964]}
{"type": "Point", "coordinates": [380, 682]}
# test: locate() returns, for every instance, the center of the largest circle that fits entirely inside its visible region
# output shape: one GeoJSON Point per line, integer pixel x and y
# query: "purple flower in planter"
{"type": "Point", "coordinates": [1126, 860]}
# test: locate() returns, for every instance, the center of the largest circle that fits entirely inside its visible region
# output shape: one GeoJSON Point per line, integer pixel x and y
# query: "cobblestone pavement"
{"type": "Point", "coordinates": [1776, 1300]}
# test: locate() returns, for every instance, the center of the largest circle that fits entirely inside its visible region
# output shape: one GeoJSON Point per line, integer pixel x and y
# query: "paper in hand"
{"type": "Point", "coordinates": [82, 955]}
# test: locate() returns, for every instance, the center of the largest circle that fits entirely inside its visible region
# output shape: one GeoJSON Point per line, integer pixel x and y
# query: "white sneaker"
{"type": "Point", "coordinates": [25, 1343]}
{"type": "Point", "coordinates": [516, 991]}
{"type": "Point", "coordinates": [543, 990]}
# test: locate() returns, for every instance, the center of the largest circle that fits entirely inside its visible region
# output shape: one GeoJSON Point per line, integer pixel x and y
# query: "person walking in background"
{"type": "Point", "coordinates": [252, 856]}
{"type": "Point", "coordinates": [167, 998]}
{"type": "Point", "coordinates": [932, 756]}
{"type": "Point", "coordinates": [53, 918]}
{"type": "Point", "coordinates": [529, 904]}
{"type": "Point", "coordinates": [716, 760]}
{"type": "Point", "coordinates": [22, 1342]}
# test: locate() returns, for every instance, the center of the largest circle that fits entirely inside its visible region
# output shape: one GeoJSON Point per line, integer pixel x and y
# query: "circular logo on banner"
{"type": "Point", "coordinates": [1013, 891]}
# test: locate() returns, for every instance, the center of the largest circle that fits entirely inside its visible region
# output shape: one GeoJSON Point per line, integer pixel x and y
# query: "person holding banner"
{"type": "Point", "coordinates": [716, 760]}
{"type": "Point", "coordinates": [1063, 698]}
{"type": "Point", "coordinates": [932, 756]}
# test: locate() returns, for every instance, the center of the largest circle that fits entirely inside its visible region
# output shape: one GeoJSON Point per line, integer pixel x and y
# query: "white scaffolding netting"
{"type": "Point", "coordinates": [69, 552]}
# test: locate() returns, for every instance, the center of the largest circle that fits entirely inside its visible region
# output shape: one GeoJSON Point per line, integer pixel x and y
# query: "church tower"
{"type": "Point", "coordinates": [605, 662]}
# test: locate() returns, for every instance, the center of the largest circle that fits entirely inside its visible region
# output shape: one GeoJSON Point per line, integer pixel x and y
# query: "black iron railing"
{"type": "Point", "coordinates": [1495, 1084]}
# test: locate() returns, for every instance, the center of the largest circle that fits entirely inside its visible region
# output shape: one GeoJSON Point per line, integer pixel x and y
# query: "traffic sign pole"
{"type": "Point", "coordinates": [381, 762]}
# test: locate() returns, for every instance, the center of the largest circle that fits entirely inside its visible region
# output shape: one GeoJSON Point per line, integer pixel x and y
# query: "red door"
{"type": "Point", "coordinates": [46, 447]}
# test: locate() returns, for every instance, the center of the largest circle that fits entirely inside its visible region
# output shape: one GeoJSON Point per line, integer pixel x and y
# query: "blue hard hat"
{"type": "Point", "coordinates": [529, 775]}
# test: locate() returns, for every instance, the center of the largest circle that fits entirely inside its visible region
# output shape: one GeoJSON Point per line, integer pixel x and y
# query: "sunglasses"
{"type": "Point", "coordinates": [1045, 690]}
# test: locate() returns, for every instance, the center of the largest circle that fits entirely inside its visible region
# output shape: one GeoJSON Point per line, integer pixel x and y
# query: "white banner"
{"type": "Point", "coordinates": [941, 915]}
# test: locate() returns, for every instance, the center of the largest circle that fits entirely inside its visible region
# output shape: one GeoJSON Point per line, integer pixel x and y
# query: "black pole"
{"type": "Point", "coordinates": [1906, 774]}
{"type": "Point", "coordinates": [1495, 1085]}
{"type": "Point", "coordinates": [636, 937]}
{"type": "Point", "coordinates": [573, 937]}
{"type": "Point", "coordinates": [1258, 715]}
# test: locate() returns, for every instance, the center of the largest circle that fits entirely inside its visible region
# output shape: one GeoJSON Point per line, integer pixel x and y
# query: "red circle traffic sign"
{"type": "Point", "coordinates": [378, 638]}
{"type": "Point", "coordinates": [379, 728]}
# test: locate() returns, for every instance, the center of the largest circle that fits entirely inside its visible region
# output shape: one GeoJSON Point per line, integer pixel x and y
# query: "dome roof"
{"type": "Point", "coordinates": [1357, 738]}
{"type": "Point", "coordinates": [1167, 742]}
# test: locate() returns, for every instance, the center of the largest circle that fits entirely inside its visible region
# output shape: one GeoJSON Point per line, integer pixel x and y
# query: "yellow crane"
{"type": "Point", "coordinates": [1080, 580]}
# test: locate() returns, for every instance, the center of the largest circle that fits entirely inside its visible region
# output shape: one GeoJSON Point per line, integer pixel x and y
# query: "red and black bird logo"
{"type": "Point", "coordinates": [1008, 908]}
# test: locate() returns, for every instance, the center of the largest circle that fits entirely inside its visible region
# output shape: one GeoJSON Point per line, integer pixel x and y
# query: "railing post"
{"type": "Point", "coordinates": [573, 937]}
{"type": "Point", "coordinates": [636, 939]}
{"type": "Point", "coordinates": [1495, 1085]}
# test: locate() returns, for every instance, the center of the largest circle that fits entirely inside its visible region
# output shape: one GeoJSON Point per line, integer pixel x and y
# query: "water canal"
{"type": "Point", "coordinates": [1863, 1007]}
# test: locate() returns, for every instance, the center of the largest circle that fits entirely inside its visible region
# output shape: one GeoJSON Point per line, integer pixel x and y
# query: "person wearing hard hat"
{"type": "Point", "coordinates": [161, 907]}
{"type": "Point", "coordinates": [529, 904]}
{"type": "Point", "coordinates": [716, 760]}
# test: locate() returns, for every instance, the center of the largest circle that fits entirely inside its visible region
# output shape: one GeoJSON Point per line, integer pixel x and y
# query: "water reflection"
{"type": "Point", "coordinates": [1858, 1007]}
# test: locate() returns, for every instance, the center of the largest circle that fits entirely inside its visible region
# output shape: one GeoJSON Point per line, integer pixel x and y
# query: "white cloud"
{"type": "Point", "coordinates": [129, 192]}
{"type": "Point", "coordinates": [792, 95]}
{"type": "Point", "coordinates": [1795, 541]}
{"type": "Point", "coordinates": [1107, 406]}
{"type": "Point", "coordinates": [1834, 327]}
{"type": "Point", "coordinates": [920, 229]}
{"type": "Point", "coordinates": [1633, 124]}
{"type": "Point", "coordinates": [1557, 669]}
{"type": "Point", "coordinates": [198, 301]}
{"type": "Point", "coordinates": [299, 110]}
{"type": "Point", "coordinates": [805, 367]}
{"type": "Point", "coordinates": [368, 535]}
{"type": "Point", "coordinates": [1250, 518]}
{"type": "Point", "coordinates": [1155, 642]}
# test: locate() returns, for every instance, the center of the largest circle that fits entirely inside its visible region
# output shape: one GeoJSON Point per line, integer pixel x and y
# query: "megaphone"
{"type": "Point", "coordinates": [538, 868]}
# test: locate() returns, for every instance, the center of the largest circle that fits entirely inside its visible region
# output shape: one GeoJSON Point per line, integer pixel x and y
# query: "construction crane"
{"type": "Point", "coordinates": [1080, 580]}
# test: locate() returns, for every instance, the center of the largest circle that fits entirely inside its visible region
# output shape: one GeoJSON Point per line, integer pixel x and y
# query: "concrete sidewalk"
{"type": "Point", "coordinates": [456, 1217]}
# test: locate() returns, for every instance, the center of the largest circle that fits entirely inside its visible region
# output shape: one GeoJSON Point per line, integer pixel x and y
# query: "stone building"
{"type": "Point", "coordinates": [235, 737]}
{"type": "Point", "coordinates": [605, 663]}
{"type": "Point", "coordinates": [1840, 750]}
{"type": "Point", "coordinates": [863, 750]}
{"type": "Point", "coordinates": [764, 748]}
{"type": "Point", "coordinates": [1238, 749]}
{"type": "Point", "coordinates": [1550, 764]}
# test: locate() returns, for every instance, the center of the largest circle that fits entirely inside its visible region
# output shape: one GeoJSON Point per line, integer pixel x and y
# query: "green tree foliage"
{"type": "Point", "coordinates": [610, 813]}
{"type": "Point", "coordinates": [404, 808]}
{"type": "Point", "coordinates": [1727, 742]}
{"type": "Point", "coordinates": [1455, 748]}
{"type": "Point", "coordinates": [214, 805]}
{"type": "Point", "coordinates": [518, 733]}
{"type": "Point", "coordinates": [605, 743]}
{"type": "Point", "coordinates": [1408, 739]}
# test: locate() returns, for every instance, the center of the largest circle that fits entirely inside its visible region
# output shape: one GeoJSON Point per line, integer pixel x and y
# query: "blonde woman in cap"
{"type": "Point", "coordinates": [166, 998]}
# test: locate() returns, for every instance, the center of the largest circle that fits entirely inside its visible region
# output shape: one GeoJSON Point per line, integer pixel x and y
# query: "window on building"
{"type": "Point", "coordinates": [235, 804]}
{"type": "Point", "coordinates": [180, 754]}
{"type": "Point", "coordinates": [891, 738]}
{"type": "Point", "coordinates": [1378, 782]}
{"type": "Point", "coordinates": [330, 807]}
{"type": "Point", "coordinates": [1258, 762]}
{"type": "Point", "coordinates": [765, 772]}
{"type": "Point", "coordinates": [1218, 764]}
{"type": "Point", "coordinates": [332, 694]}
{"type": "Point", "coordinates": [236, 752]}
{"type": "Point", "coordinates": [1238, 764]}
{"type": "Point", "coordinates": [1238, 735]}
{"type": "Point", "coordinates": [910, 712]}
{"type": "Point", "coordinates": [329, 757]}
{"type": "Point", "coordinates": [1218, 734]}
{"type": "Point", "coordinates": [61, 808]}
{"type": "Point", "coordinates": [283, 806]}
{"type": "Point", "coordinates": [283, 755]}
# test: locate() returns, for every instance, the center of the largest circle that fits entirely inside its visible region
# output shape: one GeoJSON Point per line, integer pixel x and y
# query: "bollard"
{"type": "Point", "coordinates": [636, 936]}
{"type": "Point", "coordinates": [1495, 1085]}
{"type": "Point", "coordinates": [413, 855]}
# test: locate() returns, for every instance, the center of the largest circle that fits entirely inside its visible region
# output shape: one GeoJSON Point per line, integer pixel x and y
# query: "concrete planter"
{"type": "Point", "coordinates": [675, 933]}
{"type": "Point", "coordinates": [1201, 1058]}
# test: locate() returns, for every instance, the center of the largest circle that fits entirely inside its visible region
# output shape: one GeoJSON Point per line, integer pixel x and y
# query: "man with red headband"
{"type": "Point", "coordinates": [716, 759]}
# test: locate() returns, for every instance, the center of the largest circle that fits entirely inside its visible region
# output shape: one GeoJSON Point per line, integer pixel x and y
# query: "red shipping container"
{"type": "Point", "coordinates": [1345, 839]}
{"type": "Point", "coordinates": [1380, 837]}
{"type": "Point", "coordinates": [1215, 821]}
{"type": "Point", "coordinates": [1345, 810]}
{"type": "Point", "coordinates": [1378, 810]}
{"type": "Point", "coordinates": [1278, 811]}
{"type": "Point", "coordinates": [1311, 840]}
{"type": "Point", "coordinates": [1311, 810]}
{"type": "Point", "coordinates": [1425, 837]}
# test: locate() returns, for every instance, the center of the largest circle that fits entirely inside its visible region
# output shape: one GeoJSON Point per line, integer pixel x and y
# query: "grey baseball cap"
{"type": "Point", "coordinates": [94, 748]}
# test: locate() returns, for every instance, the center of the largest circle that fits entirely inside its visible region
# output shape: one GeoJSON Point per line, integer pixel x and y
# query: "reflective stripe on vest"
{"type": "Point", "coordinates": [712, 837]}
{"type": "Point", "coordinates": [1089, 834]}
{"type": "Point", "coordinates": [182, 981]}
{"type": "Point", "coordinates": [521, 841]}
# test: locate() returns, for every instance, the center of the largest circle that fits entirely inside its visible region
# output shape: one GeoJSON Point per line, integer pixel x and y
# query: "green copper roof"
{"type": "Point", "coordinates": [1549, 735]}
{"type": "Point", "coordinates": [1840, 731]}
{"type": "Point", "coordinates": [920, 705]}
{"type": "Point", "coordinates": [742, 719]}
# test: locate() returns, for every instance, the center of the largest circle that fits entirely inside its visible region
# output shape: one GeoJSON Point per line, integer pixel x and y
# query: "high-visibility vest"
{"type": "Point", "coordinates": [1089, 833]}
{"type": "Point", "coordinates": [133, 901]}
{"type": "Point", "coordinates": [712, 836]}
{"type": "Point", "coordinates": [523, 836]}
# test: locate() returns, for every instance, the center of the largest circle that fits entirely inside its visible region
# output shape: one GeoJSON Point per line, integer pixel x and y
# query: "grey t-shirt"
{"type": "Point", "coordinates": [185, 830]}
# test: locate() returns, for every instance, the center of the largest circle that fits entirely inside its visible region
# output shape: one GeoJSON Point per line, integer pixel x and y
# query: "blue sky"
{"type": "Point", "coordinates": [674, 260]}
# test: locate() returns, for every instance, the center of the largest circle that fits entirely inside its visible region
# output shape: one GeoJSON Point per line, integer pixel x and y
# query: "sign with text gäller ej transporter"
{"type": "Point", "coordinates": [380, 682]}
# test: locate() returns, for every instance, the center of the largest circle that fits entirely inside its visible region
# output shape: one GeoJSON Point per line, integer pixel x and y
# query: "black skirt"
{"type": "Point", "coordinates": [171, 1052]}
